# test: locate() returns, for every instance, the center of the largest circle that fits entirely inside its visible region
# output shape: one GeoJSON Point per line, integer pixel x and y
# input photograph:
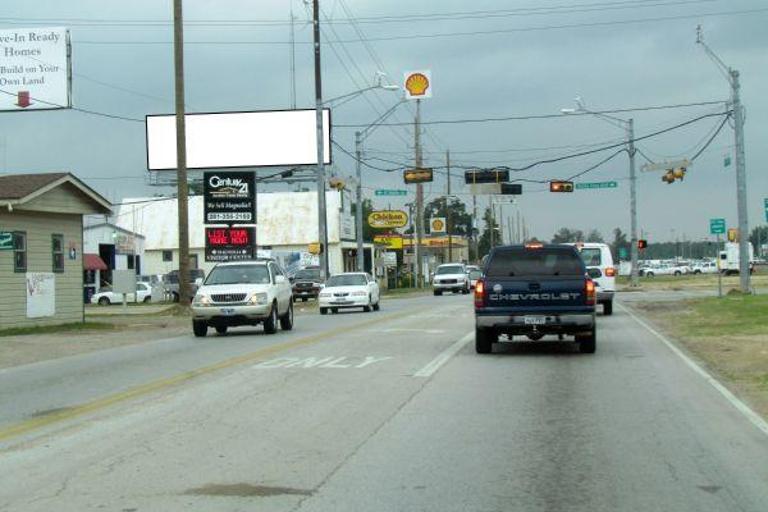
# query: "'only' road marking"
{"type": "Point", "coordinates": [322, 362]}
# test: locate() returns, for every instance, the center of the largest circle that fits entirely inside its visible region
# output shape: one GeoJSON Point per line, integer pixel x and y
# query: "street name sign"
{"type": "Point", "coordinates": [228, 197]}
{"type": "Point", "coordinates": [716, 226]}
{"type": "Point", "coordinates": [598, 184]}
{"type": "Point", "coordinates": [6, 241]}
{"type": "Point", "coordinates": [390, 192]}
{"type": "Point", "coordinates": [765, 205]}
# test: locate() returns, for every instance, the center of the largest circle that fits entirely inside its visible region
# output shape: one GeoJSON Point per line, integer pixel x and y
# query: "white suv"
{"type": "Point", "coordinates": [451, 277]}
{"type": "Point", "coordinates": [243, 293]}
{"type": "Point", "coordinates": [599, 262]}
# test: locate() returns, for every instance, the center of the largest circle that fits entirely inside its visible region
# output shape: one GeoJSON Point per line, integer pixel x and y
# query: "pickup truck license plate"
{"type": "Point", "coordinates": [535, 320]}
{"type": "Point", "coordinates": [227, 311]}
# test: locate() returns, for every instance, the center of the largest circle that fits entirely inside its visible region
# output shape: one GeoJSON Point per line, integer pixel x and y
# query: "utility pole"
{"type": "Point", "coordinates": [322, 227]}
{"type": "Point", "coordinates": [293, 57]}
{"type": "Point", "coordinates": [634, 276]}
{"type": "Point", "coordinates": [475, 226]}
{"type": "Point", "coordinates": [181, 154]}
{"type": "Point", "coordinates": [492, 227]}
{"type": "Point", "coordinates": [359, 207]}
{"type": "Point", "coordinates": [419, 197]}
{"type": "Point", "coordinates": [448, 213]}
{"type": "Point", "coordinates": [732, 76]}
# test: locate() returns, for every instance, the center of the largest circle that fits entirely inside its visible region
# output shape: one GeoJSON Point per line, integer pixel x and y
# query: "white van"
{"type": "Point", "coordinates": [599, 262]}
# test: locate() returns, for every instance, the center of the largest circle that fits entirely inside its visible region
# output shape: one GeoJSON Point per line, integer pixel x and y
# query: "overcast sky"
{"type": "Point", "coordinates": [499, 58]}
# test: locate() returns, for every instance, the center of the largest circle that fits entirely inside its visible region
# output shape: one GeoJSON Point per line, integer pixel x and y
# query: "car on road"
{"type": "Point", "coordinates": [474, 276]}
{"type": "Point", "coordinates": [106, 296]}
{"type": "Point", "coordinates": [243, 293]}
{"type": "Point", "coordinates": [307, 284]}
{"type": "Point", "coordinates": [350, 290]}
{"type": "Point", "coordinates": [599, 262]}
{"type": "Point", "coordinates": [664, 269]}
{"type": "Point", "coordinates": [535, 290]}
{"type": "Point", "coordinates": [450, 277]}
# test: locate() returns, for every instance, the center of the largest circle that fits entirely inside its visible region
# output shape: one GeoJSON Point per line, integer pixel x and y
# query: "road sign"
{"type": "Point", "coordinates": [716, 226]}
{"type": "Point", "coordinates": [623, 253]}
{"type": "Point", "coordinates": [229, 244]}
{"type": "Point", "coordinates": [597, 184]}
{"type": "Point", "coordinates": [765, 204]}
{"type": "Point", "coordinates": [388, 219]}
{"type": "Point", "coordinates": [6, 241]}
{"type": "Point", "coordinates": [514, 189]}
{"type": "Point", "coordinates": [228, 198]}
{"type": "Point", "coordinates": [390, 192]}
{"type": "Point", "coordinates": [485, 176]}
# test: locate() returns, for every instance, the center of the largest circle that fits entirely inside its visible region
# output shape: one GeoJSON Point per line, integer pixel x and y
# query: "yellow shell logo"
{"type": "Point", "coordinates": [417, 84]}
{"type": "Point", "coordinates": [438, 225]}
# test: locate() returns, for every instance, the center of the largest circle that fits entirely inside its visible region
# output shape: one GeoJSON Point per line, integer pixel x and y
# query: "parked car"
{"type": "Point", "coordinates": [599, 262]}
{"type": "Point", "coordinates": [106, 296]}
{"type": "Point", "coordinates": [307, 284]}
{"type": "Point", "coordinates": [171, 282]}
{"type": "Point", "coordinates": [243, 293]}
{"type": "Point", "coordinates": [450, 277]}
{"type": "Point", "coordinates": [705, 267]}
{"type": "Point", "coordinates": [350, 290]}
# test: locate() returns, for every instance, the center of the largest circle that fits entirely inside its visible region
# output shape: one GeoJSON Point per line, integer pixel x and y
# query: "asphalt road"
{"type": "Point", "coordinates": [382, 411]}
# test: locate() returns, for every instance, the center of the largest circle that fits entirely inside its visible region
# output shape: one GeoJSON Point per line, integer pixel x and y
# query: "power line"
{"type": "Point", "coordinates": [601, 162]}
{"type": "Point", "coordinates": [539, 28]}
{"type": "Point", "coordinates": [82, 110]}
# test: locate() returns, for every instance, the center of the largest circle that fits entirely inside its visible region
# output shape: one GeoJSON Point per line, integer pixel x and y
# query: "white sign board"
{"type": "Point", "coordinates": [41, 294]}
{"type": "Point", "coordinates": [124, 281]}
{"type": "Point", "coordinates": [35, 69]}
{"type": "Point", "coordinates": [417, 84]}
{"type": "Point", "coordinates": [390, 259]}
{"type": "Point", "coordinates": [665, 166]}
{"type": "Point", "coordinates": [239, 139]}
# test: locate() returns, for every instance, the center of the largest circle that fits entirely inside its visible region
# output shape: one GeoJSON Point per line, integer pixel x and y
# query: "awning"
{"type": "Point", "coordinates": [93, 262]}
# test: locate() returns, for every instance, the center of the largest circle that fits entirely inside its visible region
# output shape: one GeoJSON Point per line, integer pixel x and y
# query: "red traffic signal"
{"type": "Point", "coordinates": [561, 186]}
{"type": "Point", "coordinates": [642, 244]}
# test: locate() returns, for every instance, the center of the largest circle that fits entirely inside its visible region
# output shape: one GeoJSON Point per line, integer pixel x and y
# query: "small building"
{"type": "Point", "coordinates": [108, 247]}
{"type": "Point", "coordinates": [41, 247]}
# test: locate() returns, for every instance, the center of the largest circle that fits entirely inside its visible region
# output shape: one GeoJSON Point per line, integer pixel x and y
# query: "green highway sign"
{"type": "Point", "coordinates": [716, 226]}
{"type": "Point", "coordinates": [6, 241]}
{"type": "Point", "coordinates": [765, 204]}
{"type": "Point", "coordinates": [597, 184]}
{"type": "Point", "coordinates": [390, 192]}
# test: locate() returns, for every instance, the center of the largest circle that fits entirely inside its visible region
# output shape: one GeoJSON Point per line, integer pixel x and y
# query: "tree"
{"type": "Point", "coordinates": [368, 231]}
{"type": "Point", "coordinates": [758, 238]}
{"type": "Point", "coordinates": [594, 236]}
{"type": "Point", "coordinates": [565, 235]}
{"type": "Point", "coordinates": [484, 243]}
{"type": "Point", "coordinates": [620, 242]}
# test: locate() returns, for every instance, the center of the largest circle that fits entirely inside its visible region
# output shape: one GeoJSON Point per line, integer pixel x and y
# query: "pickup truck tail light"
{"type": "Point", "coordinates": [610, 272]}
{"type": "Point", "coordinates": [480, 294]}
{"type": "Point", "coordinates": [589, 292]}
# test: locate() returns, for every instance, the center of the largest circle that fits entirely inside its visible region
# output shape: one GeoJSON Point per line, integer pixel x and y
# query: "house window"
{"type": "Point", "coordinates": [167, 255]}
{"type": "Point", "coordinates": [57, 249]}
{"type": "Point", "coordinates": [19, 251]}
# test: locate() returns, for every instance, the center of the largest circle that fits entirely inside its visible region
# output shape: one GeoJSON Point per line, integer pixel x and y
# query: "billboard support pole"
{"type": "Point", "coordinates": [419, 199]}
{"type": "Point", "coordinates": [181, 154]}
{"type": "Point", "coordinates": [322, 230]}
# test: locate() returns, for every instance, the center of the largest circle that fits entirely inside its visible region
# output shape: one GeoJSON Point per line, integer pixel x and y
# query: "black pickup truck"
{"type": "Point", "coordinates": [535, 290]}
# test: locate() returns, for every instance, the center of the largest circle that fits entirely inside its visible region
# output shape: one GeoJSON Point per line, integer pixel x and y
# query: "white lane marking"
{"type": "Point", "coordinates": [422, 331]}
{"type": "Point", "coordinates": [743, 408]}
{"type": "Point", "coordinates": [444, 356]}
{"type": "Point", "coordinates": [342, 362]}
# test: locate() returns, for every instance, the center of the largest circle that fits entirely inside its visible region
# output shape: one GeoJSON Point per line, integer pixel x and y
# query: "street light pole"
{"type": "Point", "coordinates": [359, 202]}
{"type": "Point", "coordinates": [634, 276]}
{"type": "Point", "coordinates": [419, 197]}
{"type": "Point", "coordinates": [322, 225]}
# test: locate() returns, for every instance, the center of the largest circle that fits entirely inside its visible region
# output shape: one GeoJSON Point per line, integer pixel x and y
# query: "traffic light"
{"type": "Point", "coordinates": [678, 173]}
{"type": "Point", "coordinates": [642, 244]}
{"type": "Point", "coordinates": [560, 186]}
{"type": "Point", "coordinates": [514, 189]}
{"type": "Point", "coordinates": [485, 176]}
{"type": "Point", "coordinates": [417, 176]}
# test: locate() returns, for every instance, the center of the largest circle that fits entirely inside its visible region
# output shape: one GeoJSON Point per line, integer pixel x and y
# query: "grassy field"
{"type": "Point", "coordinates": [688, 282]}
{"type": "Point", "coordinates": [730, 335]}
{"type": "Point", "coordinates": [66, 328]}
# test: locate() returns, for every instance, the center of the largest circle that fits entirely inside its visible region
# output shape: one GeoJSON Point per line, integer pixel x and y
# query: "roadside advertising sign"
{"type": "Point", "coordinates": [393, 242]}
{"type": "Point", "coordinates": [417, 84]}
{"type": "Point", "coordinates": [388, 219]}
{"type": "Point", "coordinates": [411, 176]}
{"type": "Point", "coordinates": [229, 244]}
{"type": "Point", "coordinates": [36, 70]}
{"type": "Point", "coordinates": [229, 198]}
{"type": "Point", "coordinates": [390, 259]}
{"type": "Point", "coordinates": [437, 225]}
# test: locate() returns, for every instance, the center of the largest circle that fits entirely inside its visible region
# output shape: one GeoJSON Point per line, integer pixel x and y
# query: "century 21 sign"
{"type": "Point", "coordinates": [387, 219]}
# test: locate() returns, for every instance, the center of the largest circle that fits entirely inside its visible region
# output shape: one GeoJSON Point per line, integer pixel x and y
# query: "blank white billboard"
{"type": "Point", "coordinates": [239, 139]}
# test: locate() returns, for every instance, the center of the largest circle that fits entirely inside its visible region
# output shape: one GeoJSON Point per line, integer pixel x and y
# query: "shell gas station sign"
{"type": "Point", "coordinates": [418, 84]}
{"type": "Point", "coordinates": [388, 219]}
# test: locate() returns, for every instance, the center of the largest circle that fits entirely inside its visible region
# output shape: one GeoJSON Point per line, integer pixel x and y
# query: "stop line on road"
{"type": "Point", "coordinates": [328, 362]}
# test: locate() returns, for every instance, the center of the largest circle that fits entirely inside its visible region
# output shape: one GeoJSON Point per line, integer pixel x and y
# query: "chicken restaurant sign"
{"type": "Point", "coordinates": [35, 69]}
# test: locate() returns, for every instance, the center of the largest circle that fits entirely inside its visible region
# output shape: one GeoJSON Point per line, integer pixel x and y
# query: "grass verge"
{"type": "Point", "coordinates": [729, 335]}
{"type": "Point", "coordinates": [47, 329]}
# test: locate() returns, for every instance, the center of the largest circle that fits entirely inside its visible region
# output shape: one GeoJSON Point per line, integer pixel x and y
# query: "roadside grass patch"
{"type": "Point", "coordinates": [46, 329]}
{"type": "Point", "coordinates": [734, 314]}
